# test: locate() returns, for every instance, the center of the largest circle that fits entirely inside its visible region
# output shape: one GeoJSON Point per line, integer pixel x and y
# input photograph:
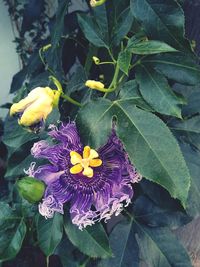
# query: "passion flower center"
{"type": "Point", "coordinates": [83, 164]}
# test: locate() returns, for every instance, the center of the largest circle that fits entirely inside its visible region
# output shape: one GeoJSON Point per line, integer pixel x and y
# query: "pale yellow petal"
{"type": "Point", "coordinates": [75, 157]}
{"type": "Point", "coordinates": [76, 169]}
{"type": "Point", "coordinates": [41, 94]}
{"type": "Point", "coordinates": [88, 172]}
{"type": "Point", "coordinates": [86, 152]}
{"type": "Point", "coordinates": [95, 162]}
{"type": "Point", "coordinates": [37, 111]}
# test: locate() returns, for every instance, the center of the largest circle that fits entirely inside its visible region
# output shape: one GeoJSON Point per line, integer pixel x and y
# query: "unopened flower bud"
{"type": "Point", "coordinates": [96, 60]}
{"type": "Point", "coordinates": [95, 3]}
{"type": "Point", "coordinates": [31, 189]}
{"type": "Point", "coordinates": [94, 84]}
{"type": "Point", "coordinates": [33, 110]}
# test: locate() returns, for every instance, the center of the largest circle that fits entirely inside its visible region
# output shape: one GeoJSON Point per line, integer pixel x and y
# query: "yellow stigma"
{"type": "Point", "coordinates": [84, 163]}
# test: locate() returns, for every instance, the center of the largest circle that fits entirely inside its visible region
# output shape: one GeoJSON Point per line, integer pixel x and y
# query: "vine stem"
{"type": "Point", "coordinates": [111, 55]}
{"type": "Point", "coordinates": [47, 261]}
{"type": "Point", "coordinates": [113, 84]}
{"type": "Point", "coordinates": [43, 61]}
{"type": "Point", "coordinates": [60, 89]}
{"type": "Point", "coordinates": [71, 100]}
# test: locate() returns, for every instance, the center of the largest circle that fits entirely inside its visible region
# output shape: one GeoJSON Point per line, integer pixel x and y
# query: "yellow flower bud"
{"type": "Point", "coordinates": [95, 3]}
{"type": "Point", "coordinates": [34, 109]}
{"type": "Point", "coordinates": [94, 84]}
{"type": "Point", "coordinates": [96, 60]}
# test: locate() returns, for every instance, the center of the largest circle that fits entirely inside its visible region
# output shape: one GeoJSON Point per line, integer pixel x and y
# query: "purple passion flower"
{"type": "Point", "coordinates": [97, 183]}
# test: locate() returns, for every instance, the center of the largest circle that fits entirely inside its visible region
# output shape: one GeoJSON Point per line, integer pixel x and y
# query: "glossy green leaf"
{"type": "Point", "coordinates": [15, 136]}
{"type": "Point", "coordinates": [150, 47]}
{"type": "Point", "coordinates": [133, 242]}
{"type": "Point", "coordinates": [130, 92]}
{"type": "Point", "coordinates": [77, 81]}
{"type": "Point", "coordinates": [122, 26]}
{"type": "Point", "coordinates": [91, 31]}
{"type": "Point", "coordinates": [176, 67]}
{"type": "Point", "coordinates": [149, 143]}
{"type": "Point", "coordinates": [12, 232]}
{"type": "Point", "coordinates": [58, 28]}
{"type": "Point", "coordinates": [159, 247]}
{"type": "Point", "coordinates": [157, 92]}
{"type": "Point", "coordinates": [65, 251]}
{"type": "Point", "coordinates": [124, 247]}
{"type": "Point", "coordinates": [16, 168]}
{"type": "Point", "coordinates": [91, 241]}
{"type": "Point", "coordinates": [49, 233]}
{"type": "Point", "coordinates": [192, 157]}
{"type": "Point", "coordinates": [101, 19]}
{"type": "Point", "coordinates": [124, 61]}
{"type": "Point", "coordinates": [189, 128]}
{"type": "Point", "coordinates": [147, 212]}
{"type": "Point", "coordinates": [163, 20]}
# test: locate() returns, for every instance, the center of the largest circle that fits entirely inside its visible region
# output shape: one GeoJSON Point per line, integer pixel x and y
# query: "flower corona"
{"type": "Point", "coordinates": [96, 183]}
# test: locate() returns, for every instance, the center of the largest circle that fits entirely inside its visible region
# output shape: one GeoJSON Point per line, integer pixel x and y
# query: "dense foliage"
{"type": "Point", "coordinates": [151, 78]}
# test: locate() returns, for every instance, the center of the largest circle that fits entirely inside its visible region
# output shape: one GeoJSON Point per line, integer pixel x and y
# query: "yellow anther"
{"type": "Point", "coordinates": [75, 157]}
{"type": "Point", "coordinates": [84, 164]}
{"type": "Point", "coordinates": [76, 169]}
{"type": "Point", "coordinates": [86, 152]}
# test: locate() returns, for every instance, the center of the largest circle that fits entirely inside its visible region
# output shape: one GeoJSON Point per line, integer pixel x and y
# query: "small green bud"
{"type": "Point", "coordinates": [31, 189]}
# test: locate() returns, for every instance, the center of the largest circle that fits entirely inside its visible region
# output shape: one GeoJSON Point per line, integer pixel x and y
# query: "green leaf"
{"type": "Point", "coordinates": [129, 91]}
{"type": "Point", "coordinates": [91, 241]}
{"type": "Point", "coordinates": [176, 67]}
{"type": "Point", "coordinates": [147, 212]}
{"type": "Point", "coordinates": [77, 81]}
{"type": "Point", "coordinates": [157, 92]}
{"type": "Point", "coordinates": [159, 247]}
{"type": "Point", "coordinates": [91, 31]}
{"type": "Point", "coordinates": [58, 27]}
{"type": "Point", "coordinates": [150, 47]}
{"type": "Point", "coordinates": [65, 250]}
{"type": "Point", "coordinates": [189, 128]}
{"type": "Point", "coordinates": [124, 60]}
{"type": "Point", "coordinates": [192, 157]}
{"type": "Point", "coordinates": [15, 136]}
{"type": "Point", "coordinates": [49, 233]}
{"type": "Point", "coordinates": [149, 143]}
{"type": "Point", "coordinates": [122, 26]}
{"type": "Point", "coordinates": [17, 168]}
{"type": "Point", "coordinates": [12, 232]}
{"type": "Point", "coordinates": [124, 247]}
{"type": "Point", "coordinates": [100, 16]}
{"type": "Point", "coordinates": [163, 20]}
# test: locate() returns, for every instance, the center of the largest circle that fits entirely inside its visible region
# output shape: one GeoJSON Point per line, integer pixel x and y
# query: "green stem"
{"type": "Point", "coordinates": [60, 89]}
{"type": "Point", "coordinates": [137, 62]}
{"type": "Point", "coordinates": [111, 55]}
{"type": "Point", "coordinates": [115, 77]}
{"type": "Point", "coordinates": [57, 83]}
{"type": "Point", "coordinates": [43, 61]}
{"type": "Point", "coordinates": [106, 62]}
{"type": "Point", "coordinates": [105, 90]}
{"type": "Point", "coordinates": [71, 100]}
{"type": "Point", "coordinates": [121, 78]}
{"type": "Point", "coordinates": [113, 84]}
{"type": "Point", "coordinates": [47, 261]}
